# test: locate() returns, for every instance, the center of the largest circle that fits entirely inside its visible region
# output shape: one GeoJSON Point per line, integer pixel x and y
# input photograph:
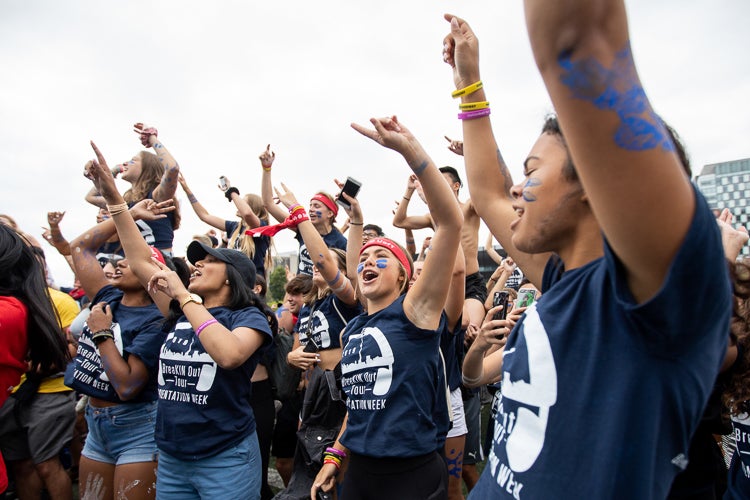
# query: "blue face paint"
{"type": "Point", "coordinates": [319, 214]}
{"type": "Point", "coordinates": [360, 267]}
{"type": "Point", "coordinates": [381, 263]}
{"type": "Point", "coordinates": [525, 193]}
{"type": "Point", "coordinates": [617, 89]}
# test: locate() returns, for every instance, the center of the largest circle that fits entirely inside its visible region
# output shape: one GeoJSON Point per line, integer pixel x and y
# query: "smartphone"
{"type": "Point", "coordinates": [525, 298]}
{"type": "Point", "coordinates": [500, 299]}
{"type": "Point", "coordinates": [322, 495]}
{"type": "Point", "coordinates": [223, 183]}
{"type": "Point", "coordinates": [351, 187]}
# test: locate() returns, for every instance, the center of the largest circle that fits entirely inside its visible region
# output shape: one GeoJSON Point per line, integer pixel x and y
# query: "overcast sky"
{"type": "Point", "coordinates": [222, 79]}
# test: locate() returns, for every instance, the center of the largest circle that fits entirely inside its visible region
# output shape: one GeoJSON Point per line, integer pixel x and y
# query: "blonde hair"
{"type": "Point", "coordinates": [152, 172]}
{"type": "Point", "coordinates": [245, 244]}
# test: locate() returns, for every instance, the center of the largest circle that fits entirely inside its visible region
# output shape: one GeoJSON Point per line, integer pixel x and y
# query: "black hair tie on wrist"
{"type": "Point", "coordinates": [228, 193]}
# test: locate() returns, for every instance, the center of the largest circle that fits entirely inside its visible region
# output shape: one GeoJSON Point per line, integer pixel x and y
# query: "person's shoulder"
{"type": "Point", "coordinates": [12, 306]}
{"type": "Point", "coordinates": [62, 299]}
{"type": "Point", "coordinates": [335, 239]}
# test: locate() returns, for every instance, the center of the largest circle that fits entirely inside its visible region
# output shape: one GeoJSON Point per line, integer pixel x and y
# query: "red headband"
{"type": "Point", "coordinates": [325, 200]}
{"type": "Point", "coordinates": [394, 248]}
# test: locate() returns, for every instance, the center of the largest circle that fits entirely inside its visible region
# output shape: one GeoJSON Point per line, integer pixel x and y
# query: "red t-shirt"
{"type": "Point", "coordinates": [13, 349]}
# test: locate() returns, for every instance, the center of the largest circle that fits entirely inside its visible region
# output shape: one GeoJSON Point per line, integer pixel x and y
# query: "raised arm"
{"type": "Point", "coordinates": [618, 144]}
{"type": "Point", "coordinates": [426, 299]}
{"type": "Point", "coordinates": [247, 214]}
{"type": "Point", "coordinates": [339, 283]}
{"type": "Point", "coordinates": [489, 191]}
{"type": "Point", "coordinates": [54, 237]}
{"type": "Point", "coordinates": [93, 195]}
{"type": "Point", "coordinates": [198, 208]}
{"type": "Point", "coordinates": [403, 221]}
{"type": "Point", "coordinates": [136, 249]}
{"type": "Point", "coordinates": [84, 247]}
{"type": "Point", "coordinates": [168, 185]}
{"type": "Point", "coordinates": [266, 186]}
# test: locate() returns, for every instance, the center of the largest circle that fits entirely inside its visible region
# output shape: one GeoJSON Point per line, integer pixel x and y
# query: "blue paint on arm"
{"type": "Point", "coordinates": [418, 170]}
{"type": "Point", "coordinates": [617, 89]}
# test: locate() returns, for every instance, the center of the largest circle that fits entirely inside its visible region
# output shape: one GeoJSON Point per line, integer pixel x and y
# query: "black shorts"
{"type": "Point", "coordinates": [476, 288]}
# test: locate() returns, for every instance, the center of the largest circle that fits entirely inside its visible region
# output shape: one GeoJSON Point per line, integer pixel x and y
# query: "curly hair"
{"type": "Point", "coordinates": [736, 397]}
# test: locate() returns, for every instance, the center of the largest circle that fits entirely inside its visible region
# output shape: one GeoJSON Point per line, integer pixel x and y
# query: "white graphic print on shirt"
{"type": "Point", "coordinates": [371, 375]}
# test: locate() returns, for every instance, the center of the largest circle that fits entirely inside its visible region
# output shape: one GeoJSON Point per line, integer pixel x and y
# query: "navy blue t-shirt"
{"type": "Point", "coordinates": [334, 239]}
{"type": "Point", "coordinates": [326, 324]}
{"type": "Point", "coordinates": [600, 395]}
{"type": "Point", "coordinates": [203, 408]}
{"type": "Point", "coordinates": [738, 486]}
{"type": "Point", "coordinates": [392, 376]}
{"type": "Point", "coordinates": [138, 332]}
{"type": "Point", "coordinates": [261, 244]}
{"type": "Point", "coordinates": [159, 232]}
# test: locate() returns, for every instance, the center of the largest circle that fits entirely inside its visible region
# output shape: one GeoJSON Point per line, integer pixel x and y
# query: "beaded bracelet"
{"type": "Point", "coordinates": [470, 89]}
{"type": "Point", "coordinates": [477, 113]}
{"type": "Point", "coordinates": [468, 106]}
{"type": "Point", "coordinates": [200, 329]}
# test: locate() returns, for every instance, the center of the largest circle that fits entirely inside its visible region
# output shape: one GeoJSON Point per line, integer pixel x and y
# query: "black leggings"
{"type": "Point", "coordinates": [262, 403]}
{"type": "Point", "coordinates": [424, 477]}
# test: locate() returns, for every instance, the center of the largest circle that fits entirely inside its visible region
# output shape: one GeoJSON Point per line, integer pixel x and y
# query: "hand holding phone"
{"type": "Point", "coordinates": [500, 299]}
{"type": "Point", "coordinates": [351, 188]}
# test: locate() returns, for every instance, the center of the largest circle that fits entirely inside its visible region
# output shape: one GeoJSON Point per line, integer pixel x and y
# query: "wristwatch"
{"type": "Point", "coordinates": [191, 298]}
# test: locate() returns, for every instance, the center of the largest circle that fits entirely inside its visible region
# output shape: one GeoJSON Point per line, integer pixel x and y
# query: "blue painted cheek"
{"type": "Point", "coordinates": [526, 193]}
{"type": "Point", "coordinates": [319, 214]}
{"type": "Point", "coordinates": [360, 267]}
{"type": "Point", "coordinates": [381, 263]}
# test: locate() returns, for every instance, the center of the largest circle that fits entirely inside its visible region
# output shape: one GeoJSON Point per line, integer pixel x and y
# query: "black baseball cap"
{"type": "Point", "coordinates": [240, 261]}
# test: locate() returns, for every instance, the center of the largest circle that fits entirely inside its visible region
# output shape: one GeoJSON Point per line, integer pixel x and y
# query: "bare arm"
{"type": "Point", "coordinates": [338, 282]}
{"type": "Point", "coordinates": [199, 209]}
{"type": "Point", "coordinates": [128, 377]}
{"type": "Point", "coordinates": [266, 186]}
{"type": "Point", "coordinates": [403, 221]}
{"type": "Point", "coordinates": [426, 299]}
{"type": "Point", "coordinates": [136, 249]}
{"type": "Point", "coordinates": [618, 144]}
{"type": "Point", "coordinates": [489, 247]}
{"type": "Point", "coordinates": [168, 185]}
{"type": "Point", "coordinates": [489, 191]}
{"type": "Point", "coordinates": [454, 304]}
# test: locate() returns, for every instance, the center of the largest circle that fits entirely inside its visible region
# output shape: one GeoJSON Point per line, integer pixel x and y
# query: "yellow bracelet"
{"type": "Point", "coordinates": [468, 106]}
{"type": "Point", "coordinates": [467, 90]}
{"type": "Point", "coordinates": [117, 209]}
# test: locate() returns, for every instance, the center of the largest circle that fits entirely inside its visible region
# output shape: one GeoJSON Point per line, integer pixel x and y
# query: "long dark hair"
{"type": "Point", "coordinates": [243, 296]}
{"type": "Point", "coordinates": [736, 397]}
{"type": "Point", "coordinates": [22, 277]}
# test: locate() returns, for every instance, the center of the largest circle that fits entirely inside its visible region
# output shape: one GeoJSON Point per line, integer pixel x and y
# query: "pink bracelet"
{"type": "Point", "coordinates": [204, 325]}
{"type": "Point", "coordinates": [477, 113]}
{"type": "Point", "coordinates": [334, 451]}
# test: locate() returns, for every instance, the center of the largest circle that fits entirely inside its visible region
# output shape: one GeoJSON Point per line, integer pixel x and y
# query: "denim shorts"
{"type": "Point", "coordinates": [122, 434]}
{"type": "Point", "coordinates": [232, 474]}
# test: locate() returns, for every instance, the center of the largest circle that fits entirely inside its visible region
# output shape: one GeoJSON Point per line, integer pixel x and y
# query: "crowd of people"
{"type": "Point", "coordinates": [612, 340]}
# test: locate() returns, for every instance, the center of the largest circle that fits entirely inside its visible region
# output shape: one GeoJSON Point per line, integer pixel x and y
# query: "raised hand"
{"type": "Point", "coordinates": [455, 146]}
{"type": "Point", "coordinates": [461, 52]}
{"type": "Point", "coordinates": [100, 174]}
{"type": "Point", "coordinates": [732, 239]}
{"type": "Point", "coordinates": [146, 134]}
{"type": "Point", "coordinates": [390, 134]}
{"type": "Point", "coordinates": [285, 196]}
{"type": "Point", "coordinates": [54, 218]}
{"type": "Point", "coordinates": [166, 281]}
{"type": "Point", "coordinates": [267, 157]}
{"type": "Point", "coordinates": [148, 209]}
{"type": "Point", "coordinates": [354, 211]}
